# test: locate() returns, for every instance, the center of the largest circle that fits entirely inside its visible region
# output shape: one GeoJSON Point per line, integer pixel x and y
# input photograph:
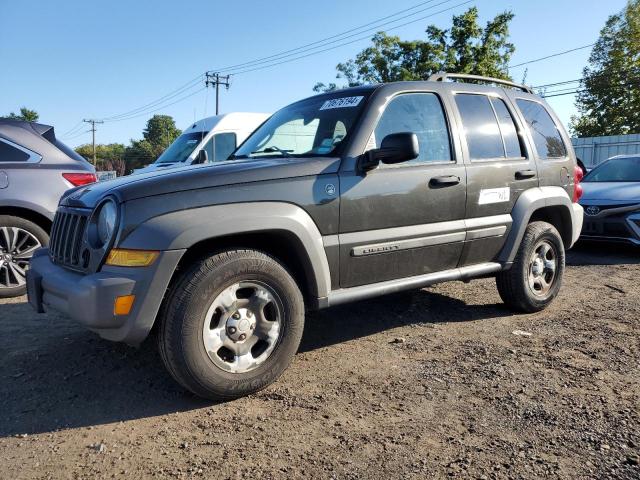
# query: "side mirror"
{"type": "Point", "coordinates": [203, 157]}
{"type": "Point", "coordinates": [395, 148]}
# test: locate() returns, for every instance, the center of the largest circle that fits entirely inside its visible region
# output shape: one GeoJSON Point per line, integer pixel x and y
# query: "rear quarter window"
{"type": "Point", "coordinates": [11, 153]}
{"type": "Point", "coordinates": [545, 133]}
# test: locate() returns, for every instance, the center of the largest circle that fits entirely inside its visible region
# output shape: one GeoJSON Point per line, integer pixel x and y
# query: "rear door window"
{"type": "Point", "coordinates": [12, 154]}
{"type": "Point", "coordinates": [545, 133]}
{"type": "Point", "coordinates": [489, 128]}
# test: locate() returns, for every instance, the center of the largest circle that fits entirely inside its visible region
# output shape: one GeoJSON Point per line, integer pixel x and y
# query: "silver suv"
{"type": "Point", "coordinates": [35, 170]}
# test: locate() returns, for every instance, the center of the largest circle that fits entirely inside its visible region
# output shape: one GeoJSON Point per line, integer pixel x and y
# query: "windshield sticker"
{"type": "Point", "coordinates": [344, 102]}
{"type": "Point", "coordinates": [191, 142]}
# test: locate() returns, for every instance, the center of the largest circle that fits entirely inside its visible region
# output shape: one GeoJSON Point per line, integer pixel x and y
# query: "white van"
{"type": "Point", "coordinates": [211, 139]}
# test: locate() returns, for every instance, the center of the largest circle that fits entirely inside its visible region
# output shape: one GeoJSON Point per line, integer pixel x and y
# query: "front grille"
{"type": "Point", "coordinates": [66, 238]}
{"type": "Point", "coordinates": [606, 229]}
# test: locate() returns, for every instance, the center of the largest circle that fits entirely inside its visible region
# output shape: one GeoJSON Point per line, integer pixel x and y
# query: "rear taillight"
{"type": "Point", "coordinates": [578, 175]}
{"type": "Point", "coordinates": [79, 179]}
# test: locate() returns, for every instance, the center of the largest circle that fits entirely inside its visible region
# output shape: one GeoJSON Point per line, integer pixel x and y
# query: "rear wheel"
{"type": "Point", "coordinates": [534, 280]}
{"type": "Point", "coordinates": [231, 324]}
{"type": "Point", "coordinates": [19, 238]}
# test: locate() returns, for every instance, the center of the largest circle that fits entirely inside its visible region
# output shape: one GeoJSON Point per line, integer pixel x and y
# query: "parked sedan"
{"type": "Point", "coordinates": [611, 201]}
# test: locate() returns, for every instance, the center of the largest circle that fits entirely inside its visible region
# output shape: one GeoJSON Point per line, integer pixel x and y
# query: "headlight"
{"type": "Point", "coordinates": [107, 221]}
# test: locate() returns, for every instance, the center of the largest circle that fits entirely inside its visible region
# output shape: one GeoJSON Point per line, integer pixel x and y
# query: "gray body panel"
{"type": "Point", "coordinates": [35, 185]}
{"type": "Point", "coordinates": [357, 234]}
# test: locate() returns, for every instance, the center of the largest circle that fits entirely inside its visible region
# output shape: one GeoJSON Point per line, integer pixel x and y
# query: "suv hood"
{"type": "Point", "coordinates": [197, 177]}
{"type": "Point", "coordinates": [614, 192]}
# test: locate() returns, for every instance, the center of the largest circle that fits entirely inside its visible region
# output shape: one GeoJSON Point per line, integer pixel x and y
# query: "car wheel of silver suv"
{"type": "Point", "coordinates": [19, 238]}
{"type": "Point", "coordinates": [535, 277]}
{"type": "Point", "coordinates": [231, 324]}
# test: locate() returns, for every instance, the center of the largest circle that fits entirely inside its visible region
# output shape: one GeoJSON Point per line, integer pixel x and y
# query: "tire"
{"type": "Point", "coordinates": [19, 238]}
{"type": "Point", "coordinates": [213, 297]}
{"type": "Point", "coordinates": [528, 286]}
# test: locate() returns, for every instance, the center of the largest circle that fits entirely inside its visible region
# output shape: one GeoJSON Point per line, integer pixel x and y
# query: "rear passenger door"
{"type": "Point", "coordinates": [499, 169]}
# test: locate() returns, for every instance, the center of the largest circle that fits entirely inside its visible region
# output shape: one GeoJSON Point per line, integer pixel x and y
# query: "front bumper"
{"type": "Point", "coordinates": [612, 226]}
{"type": "Point", "coordinates": [89, 299]}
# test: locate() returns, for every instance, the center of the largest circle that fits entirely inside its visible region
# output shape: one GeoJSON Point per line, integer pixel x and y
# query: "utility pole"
{"type": "Point", "coordinates": [93, 134]}
{"type": "Point", "coordinates": [214, 78]}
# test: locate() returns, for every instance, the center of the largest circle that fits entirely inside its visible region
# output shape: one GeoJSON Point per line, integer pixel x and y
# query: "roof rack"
{"type": "Point", "coordinates": [442, 76]}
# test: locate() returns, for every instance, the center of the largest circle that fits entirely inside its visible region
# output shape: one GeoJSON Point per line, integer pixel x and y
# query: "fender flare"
{"type": "Point", "coordinates": [182, 229]}
{"type": "Point", "coordinates": [530, 201]}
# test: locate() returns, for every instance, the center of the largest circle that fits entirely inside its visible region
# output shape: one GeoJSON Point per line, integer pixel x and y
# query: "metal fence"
{"type": "Point", "coordinates": [595, 150]}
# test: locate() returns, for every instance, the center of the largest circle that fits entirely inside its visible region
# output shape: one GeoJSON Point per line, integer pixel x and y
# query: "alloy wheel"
{"type": "Point", "coordinates": [543, 265]}
{"type": "Point", "coordinates": [243, 326]}
{"type": "Point", "coordinates": [16, 249]}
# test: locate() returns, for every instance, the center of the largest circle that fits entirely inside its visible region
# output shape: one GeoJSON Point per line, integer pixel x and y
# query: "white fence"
{"type": "Point", "coordinates": [595, 150]}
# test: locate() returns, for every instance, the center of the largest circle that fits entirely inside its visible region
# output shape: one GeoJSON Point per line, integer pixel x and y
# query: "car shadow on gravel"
{"type": "Point", "coordinates": [369, 317]}
{"type": "Point", "coordinates": [56, 375]}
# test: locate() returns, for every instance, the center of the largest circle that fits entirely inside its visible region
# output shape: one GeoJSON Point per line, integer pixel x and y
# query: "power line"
{"type": "Point", "coordinates": [72, 129]}
{"type": "Point", "coordinates": [335, 38]}
{"type": "Point", "coordinates": [331, 37]}
{"type": "Point", "coordinates": [187, 86]}
{"type": "Point", "coordinates": [161, 101]}
{"type": "Point", "coordinates": [552, 56]}
{"type": "Point", "coordinates": [160, 107]}
{"type": "Point", "coordinates": [348, 43]}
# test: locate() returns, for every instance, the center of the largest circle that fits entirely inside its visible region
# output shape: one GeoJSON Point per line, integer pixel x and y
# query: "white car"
{"type": "Point", "coordinates": [212, 139]}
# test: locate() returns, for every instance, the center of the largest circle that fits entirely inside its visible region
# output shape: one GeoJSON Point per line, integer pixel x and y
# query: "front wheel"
{"type": "Point", "coordinates": [231, 325]}
{"type": "Point", "coordinates": [19, 238]}
{"type": "Point", "coordinates": [535, 277]}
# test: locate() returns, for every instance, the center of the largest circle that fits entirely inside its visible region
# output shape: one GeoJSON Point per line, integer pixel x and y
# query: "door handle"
{"type": "Point", "coordinates": [524, 174]}
{"type": "Point", "coordinates": [444, 181]}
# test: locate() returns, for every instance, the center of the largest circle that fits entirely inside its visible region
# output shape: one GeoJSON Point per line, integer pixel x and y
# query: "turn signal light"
{"type": "Point", "coordinates": [131, 258]}
{"type": "Point", "coordinates": [122, 305]}
{"type": "Point", "coordinates": [79, 179]}
{"type": "Point", "coordinates": [578, 175]}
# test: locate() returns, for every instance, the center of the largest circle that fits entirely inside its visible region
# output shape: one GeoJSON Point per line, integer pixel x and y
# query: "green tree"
{"type": "Point", "coordinates": [466, 47]}
{"type": "Point", "coordinates": [25, 114]}
{"type": "Point", "coordinates": [609, 100]}
{"type": "Point", "coordinates": [108, 157]}
{"type": "Point", "coordinates": [159, 133]}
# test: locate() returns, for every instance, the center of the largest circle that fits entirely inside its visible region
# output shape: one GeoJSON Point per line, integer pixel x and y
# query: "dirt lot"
{"type": "Point", "coordinates": [431, 383]}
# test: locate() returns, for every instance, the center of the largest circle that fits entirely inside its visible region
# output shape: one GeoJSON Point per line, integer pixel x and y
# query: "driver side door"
{"type": "Point", "coordinates": [406, 219]}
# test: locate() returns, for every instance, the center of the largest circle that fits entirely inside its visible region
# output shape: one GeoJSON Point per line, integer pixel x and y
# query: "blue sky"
{"type": "Point", "coordinates": [71, 59]}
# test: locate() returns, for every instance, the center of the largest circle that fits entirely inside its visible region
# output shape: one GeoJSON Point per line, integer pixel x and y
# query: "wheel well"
{"type": "Point", "coordinates": [35, 217]}
{"type": "Point", "coordinates": [559, 217]}
{"type": "Point", "coordinates": [282, 245]}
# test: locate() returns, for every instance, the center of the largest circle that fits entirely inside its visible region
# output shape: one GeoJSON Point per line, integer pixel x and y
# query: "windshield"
{"type": "Point", "coordinates": [181, 148]}
{"type": "Point", "coordinates": [313, 127]}
{"type": "Point", "coordinates": [616, 170]}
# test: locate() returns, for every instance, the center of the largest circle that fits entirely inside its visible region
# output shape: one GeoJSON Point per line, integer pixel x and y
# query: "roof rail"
{"type": "Point", "coordinates": [442, 76]}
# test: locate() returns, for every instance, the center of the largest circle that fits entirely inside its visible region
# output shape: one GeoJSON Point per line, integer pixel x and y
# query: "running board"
{"type": "Point", "coordinates": [345, 295]}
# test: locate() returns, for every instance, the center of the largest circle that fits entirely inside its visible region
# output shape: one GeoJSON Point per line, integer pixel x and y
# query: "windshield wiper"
{"type": "Point", "coordinates": [274, 149]}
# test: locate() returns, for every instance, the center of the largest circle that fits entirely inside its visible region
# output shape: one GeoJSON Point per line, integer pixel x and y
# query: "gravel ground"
{"type": "Point", "coordinates": [438, 383]}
